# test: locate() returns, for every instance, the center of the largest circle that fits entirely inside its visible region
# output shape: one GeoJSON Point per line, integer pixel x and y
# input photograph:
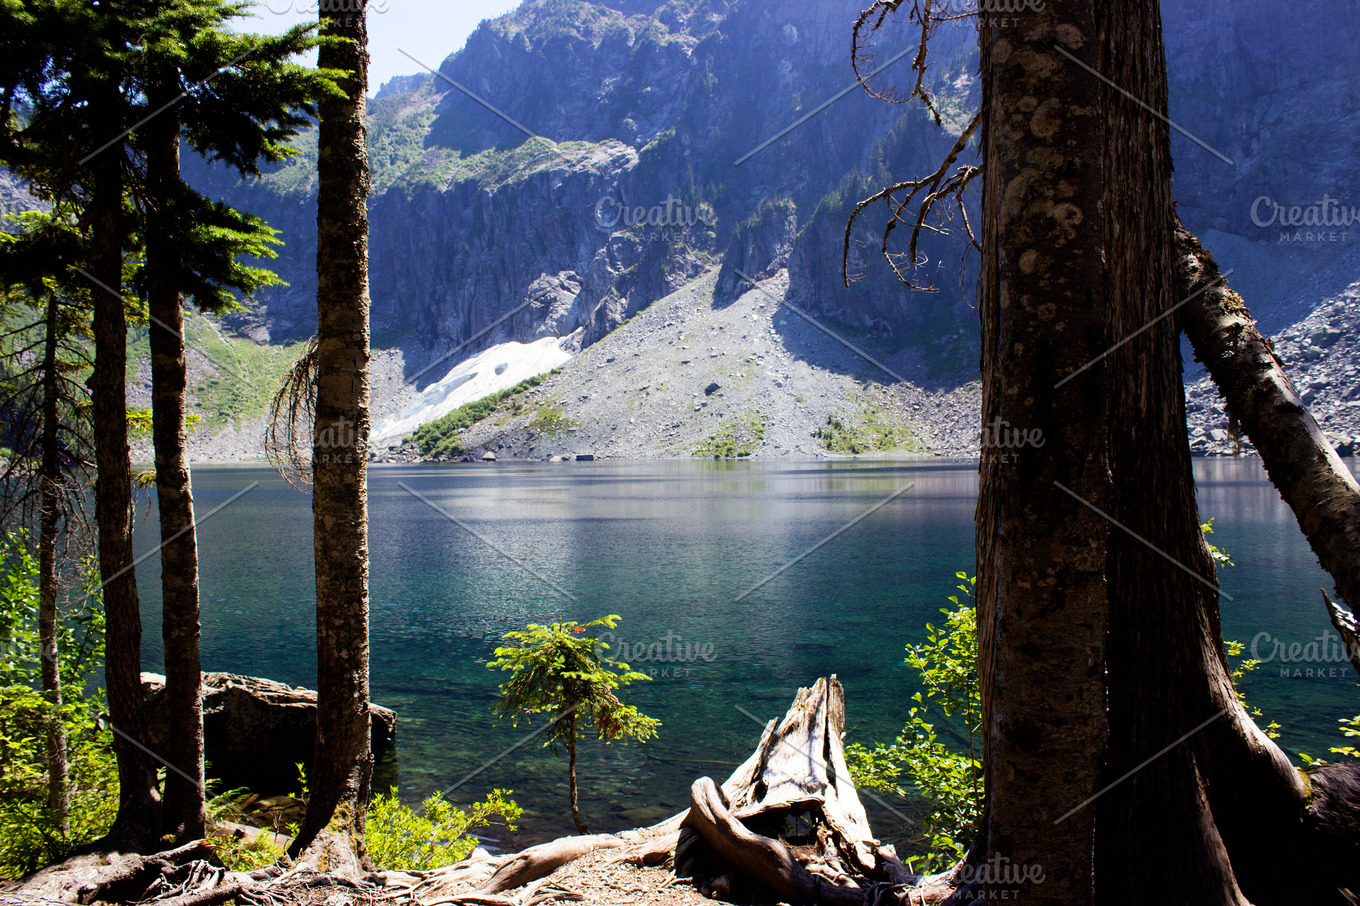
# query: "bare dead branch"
{"type": "Point", "coordinates": [288, 438]}
{"type": "Point", "coordinates": [938, 186]}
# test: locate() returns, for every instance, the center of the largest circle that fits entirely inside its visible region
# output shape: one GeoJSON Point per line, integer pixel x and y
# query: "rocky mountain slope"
{"type": "Point", "coordinates": [661, 154]}
{"type": "Point", "coordinates": [754, 377]}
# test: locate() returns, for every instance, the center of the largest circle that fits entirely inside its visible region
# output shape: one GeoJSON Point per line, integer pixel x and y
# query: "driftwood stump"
{"type": "Point", "coordinates": [742, 838]}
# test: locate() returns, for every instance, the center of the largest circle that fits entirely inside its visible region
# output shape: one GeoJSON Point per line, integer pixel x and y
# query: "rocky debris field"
{"type": "Point", "coordinates": [686, 377]}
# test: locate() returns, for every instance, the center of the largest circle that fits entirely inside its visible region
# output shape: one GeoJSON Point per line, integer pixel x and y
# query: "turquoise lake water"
{"type": "Point", "coordinates": [675, 548]}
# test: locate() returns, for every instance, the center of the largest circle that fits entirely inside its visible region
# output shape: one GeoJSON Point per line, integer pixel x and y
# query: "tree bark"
{"type": "Point", "coordinates": [58, 798]}
{"type": "Point", "coordinates": [1346, 627]}
{"type": "Point", "coordinates": [1041, 572]}
{"type": "Point", "coordinates": [1078, 212]}
{"type": "Point", "coordinates": [1259, 395]}
{"type": "Point", "coordinates": [184, 814]}
{"type": "Point", "coordinates": [136, 823]}
{"type": "Point", "coordinates": [343, 763]}
{"type": "Point", "coordinates": [1166, 671]}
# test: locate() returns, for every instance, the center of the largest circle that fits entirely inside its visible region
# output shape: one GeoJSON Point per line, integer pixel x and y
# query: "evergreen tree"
{"type": "Point", "coordinates": [343, 765]}
{"type": "Point", "coordinates": [106, 91]}
{"type": "Point", "coordinates": [236, 98]}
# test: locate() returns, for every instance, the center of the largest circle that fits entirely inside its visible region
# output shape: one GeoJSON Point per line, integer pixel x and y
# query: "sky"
{"type": "Point", "coordinates": [428, 30]}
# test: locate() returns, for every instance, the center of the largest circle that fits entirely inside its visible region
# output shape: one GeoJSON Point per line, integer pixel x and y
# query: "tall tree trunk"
{"type": "Point", "coordinates": [184, 811]}
{"type": "Point", "coordinates": [342, 768]}
{"type": "Point", "coordinates": [576, 816]}
{"type": "Point", "coordinates": [136, 823]}
{"type": "Point", "coordinates": [1042, 585]}
{"type": "Point", "coordinates": [1078, 212]}
{"type": "Point", "coordinates": [58, 798]}
{"type": "Point", "coordinates": [1166, 671]}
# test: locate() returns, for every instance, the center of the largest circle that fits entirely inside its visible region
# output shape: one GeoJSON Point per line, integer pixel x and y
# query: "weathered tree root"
{"type": "Point", "coordinates": [768, 861]}
{"type": "Point", "coordinates": [92, 877]}
{"type": "Point", "coordinates": [735, 839]}
{"type": "Point", "coordinates": [483, 880]}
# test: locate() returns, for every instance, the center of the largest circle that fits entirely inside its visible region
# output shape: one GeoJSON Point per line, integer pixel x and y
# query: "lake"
{"type": "Point", "coordinates": [715, 565]}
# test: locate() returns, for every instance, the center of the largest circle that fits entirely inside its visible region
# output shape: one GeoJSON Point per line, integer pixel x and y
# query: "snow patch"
{"type": "Point", "coordinates": [498, 368]}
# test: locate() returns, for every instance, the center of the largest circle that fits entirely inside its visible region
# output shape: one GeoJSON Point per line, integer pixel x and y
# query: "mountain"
{"type": "Point", "coordinates": [575, 162]}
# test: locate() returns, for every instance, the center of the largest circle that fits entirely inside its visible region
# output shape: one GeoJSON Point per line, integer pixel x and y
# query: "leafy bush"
{"type": "Point", "coordinates": [1349, 728]}
{"type": "Point", "coordinates": [398, 837]}
{"type": "Point", "coordinates": [401, 838]}
{"type": "Point", "coordinates": [31, 834]}
{"type": "Point", "coordinates": [947, 777]}
{"type": "Point", "coordinates": [245, 853]}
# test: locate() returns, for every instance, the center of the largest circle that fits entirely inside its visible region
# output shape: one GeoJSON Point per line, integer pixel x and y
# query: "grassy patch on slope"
{"type": "Point", "coordinates": [734, 439]}
{"type": "Point", "coordinates": [872, 432]}
{"type": "Point", "coordinates": [443, 436]}
{"type": "Point", "coordinates": [239, 378]}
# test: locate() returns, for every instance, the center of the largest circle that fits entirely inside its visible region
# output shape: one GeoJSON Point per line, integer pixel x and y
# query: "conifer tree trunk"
{"type": "Point", "coordinates": [342, 768]}
{"type": "Point", "coordinates": [184, 810]}
{"type": "Point", "coordinates": [58, 797]}
{"type": "Point", "coordinates": [137, 820]}
{"type": "Point", "coordinates": [1167, 674]}
{"type": "Point", "coordinates": [1192, 804]}
{"type": "Point", "coordinates": [1041, 579]}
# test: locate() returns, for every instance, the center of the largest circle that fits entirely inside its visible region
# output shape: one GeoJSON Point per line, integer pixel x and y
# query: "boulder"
{"type": "Point", "coordinates": [255, 731]}
{"type": "Point", "coordinates": [488, 456]}
{"type": "Point", "coordinates": [1324, 337]}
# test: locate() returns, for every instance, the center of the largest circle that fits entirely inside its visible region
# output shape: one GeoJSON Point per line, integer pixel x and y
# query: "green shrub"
{"type": "Point", "coordinates": [552, 421]}
{"type": "Point", "coordinates": [31, 834]}
{"type": "Point", "coordinates": [874, 433]}
{"type": "Point", "coordinates": [398, 837]}
{"type": "Point", "coordinates": [441, 437]}
{"type": "Point", "coordinates": [245, 853]}
{"type": "Point", "coordinates": [735, 439]}
{"type": "Point", "coordinates": [949, 778]}
{"type": "Point", "coordinates": [401, 838]}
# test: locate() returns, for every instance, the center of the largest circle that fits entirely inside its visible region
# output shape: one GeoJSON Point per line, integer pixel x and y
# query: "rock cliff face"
{"type": "Point", "coordinates": [577, 161]}
{"type": "Point", "coordinates": [656, 132]}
